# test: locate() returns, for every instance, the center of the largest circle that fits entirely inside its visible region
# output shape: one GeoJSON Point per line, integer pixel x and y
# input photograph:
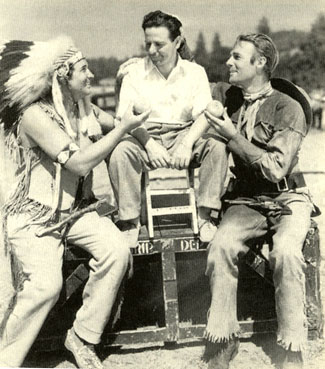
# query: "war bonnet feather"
{"type": "Point", "coordinates": [28, 71]}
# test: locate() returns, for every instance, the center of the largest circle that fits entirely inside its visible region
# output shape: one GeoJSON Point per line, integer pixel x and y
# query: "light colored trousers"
{"type": "Point", "coordinates": [41, 259]}
{"type": "Point", "coordinates": [239, 225]}
{"type": "Point", "coordinates": [129, 159]}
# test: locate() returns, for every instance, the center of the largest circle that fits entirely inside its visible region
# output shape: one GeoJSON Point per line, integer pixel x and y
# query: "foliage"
{"type": "Point", "coordinates": [216, 67]}
{"type": "Point", "coordinates": [263, 26]}
{"type": "Point", "coordinates": [201, 55]}
{"type": "Point", "coordinates": [103, 67]}
{"type": "Point", "coordinates": [302, 59]}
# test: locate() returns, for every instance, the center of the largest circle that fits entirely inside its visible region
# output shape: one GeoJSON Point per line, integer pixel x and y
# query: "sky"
{"type": "Point", "coordinates": [113, 27]}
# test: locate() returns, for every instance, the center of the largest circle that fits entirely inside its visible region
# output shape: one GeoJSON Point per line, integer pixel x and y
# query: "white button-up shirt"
{"type": "Point", "coordinates": [179, 99]}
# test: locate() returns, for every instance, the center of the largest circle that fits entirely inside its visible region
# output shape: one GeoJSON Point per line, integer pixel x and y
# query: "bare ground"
{"type": "Point", "coordinates": [256, 352]}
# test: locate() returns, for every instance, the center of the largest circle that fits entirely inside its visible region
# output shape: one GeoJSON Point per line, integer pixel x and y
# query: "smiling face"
{"type": "Point", "coordinates": [160, 48]}
{"type": "Point", "coordinates": [243, 64]}
{"type": "Point", "coordinates": [79, 82]}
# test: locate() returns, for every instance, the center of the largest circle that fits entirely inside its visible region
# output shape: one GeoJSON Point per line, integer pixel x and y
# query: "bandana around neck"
{"type": "Point", "coordinates": [264, 92]}
{"type": "Point", "coordinates": [250, 108]}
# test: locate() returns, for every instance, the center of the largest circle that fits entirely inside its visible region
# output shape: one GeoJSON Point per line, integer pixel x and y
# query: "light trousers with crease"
{"type": "Point", "coordinates": [129, 159]}
{"type": "Point", "coordinates": [42, 259]}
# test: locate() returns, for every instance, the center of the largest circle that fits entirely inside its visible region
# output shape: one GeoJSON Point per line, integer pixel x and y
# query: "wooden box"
{"type": "Point", "coordinates": [168, 297]}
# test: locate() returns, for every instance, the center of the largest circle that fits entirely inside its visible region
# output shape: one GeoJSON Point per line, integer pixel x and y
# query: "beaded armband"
{"type": "Point", "coordinates": [66, 153]}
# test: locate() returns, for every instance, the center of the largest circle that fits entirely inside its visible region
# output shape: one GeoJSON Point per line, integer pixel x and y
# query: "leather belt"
{"type": "Point", "coordinates": [290, 182]}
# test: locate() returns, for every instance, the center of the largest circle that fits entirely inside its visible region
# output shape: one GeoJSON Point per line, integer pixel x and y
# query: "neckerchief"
{"type": "Point", "coordinates": [249, 109]}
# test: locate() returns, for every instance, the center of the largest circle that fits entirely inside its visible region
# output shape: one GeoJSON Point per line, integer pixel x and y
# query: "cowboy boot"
{"type": "Point", "coordinates": [218, 355]}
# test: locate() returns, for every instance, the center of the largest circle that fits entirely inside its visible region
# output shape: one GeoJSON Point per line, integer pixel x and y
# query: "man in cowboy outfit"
{"type": "Point", "coordinates": [263, 128]}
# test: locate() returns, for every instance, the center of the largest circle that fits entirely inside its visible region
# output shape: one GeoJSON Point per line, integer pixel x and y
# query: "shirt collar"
{"type": "Point", "coordinates": [150, 67]}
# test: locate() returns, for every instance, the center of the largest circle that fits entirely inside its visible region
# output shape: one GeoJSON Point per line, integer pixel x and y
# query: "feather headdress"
{"type": "Point", "coordinates": [29, 70]}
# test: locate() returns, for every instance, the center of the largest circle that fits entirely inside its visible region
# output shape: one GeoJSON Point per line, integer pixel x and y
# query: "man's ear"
{"type": "Point", "coordinates": [178, 41]}
{"type": "Point", "coordinates": [261, 61]}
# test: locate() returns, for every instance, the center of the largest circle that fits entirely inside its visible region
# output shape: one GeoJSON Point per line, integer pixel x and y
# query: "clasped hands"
{"type": "Point", "coordinates": [217, 117]}
{"type": "Point", "coordinates": [178, 158]}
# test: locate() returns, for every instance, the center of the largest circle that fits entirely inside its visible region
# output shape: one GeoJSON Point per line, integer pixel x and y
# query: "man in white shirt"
{"type": "Point", "coordinates": [177, 91]}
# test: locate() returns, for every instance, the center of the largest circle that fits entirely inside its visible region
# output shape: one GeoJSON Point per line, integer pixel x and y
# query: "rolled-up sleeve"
{"type": "Point", "coordinates": [201, 94]}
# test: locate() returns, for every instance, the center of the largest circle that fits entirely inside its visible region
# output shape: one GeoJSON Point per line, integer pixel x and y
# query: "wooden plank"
{"type": "Point", "coordinates": [170, 290]}
{"type": "Point", "coordinates": [180, 244]}
{"type": "Point", "coordinates": [139, 336]}
{"type": "Point", "coordinates": [247, 328]}
{"type": "Point", "coordinates": [176, 191]}
{"type": "Point", "coordinates": [171, 210]}
{"type": "Point", "coordinates": [311, 251]}
{"type": "Point", "coordinates": [260, 265]}
{"type": "Point", "coordinates": [75, 280]}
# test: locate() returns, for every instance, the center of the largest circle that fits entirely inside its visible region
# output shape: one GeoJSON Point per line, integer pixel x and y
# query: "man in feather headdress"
{"type": "Point", "coordinates": [49, 123]}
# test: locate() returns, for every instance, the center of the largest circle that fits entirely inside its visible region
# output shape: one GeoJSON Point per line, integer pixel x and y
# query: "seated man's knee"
{"type": "Point", "coordinates": [124, 150]}
{"type": "Point", "coordinates": [223, 246]}
{"type": "Point", "coordinates": [287, 253]}
{"type": "Point", "coordinates": [112, 246]}
{"type": "Point", "coordinates": [121, 254]}
{"type": "Point", "coordinates": [215, 146]}
{"type": "Point", "coordinates": [48, 287]}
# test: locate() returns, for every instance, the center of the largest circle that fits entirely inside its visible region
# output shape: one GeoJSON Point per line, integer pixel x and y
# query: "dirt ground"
{"type": "Point", "coordinates": [256, 352]}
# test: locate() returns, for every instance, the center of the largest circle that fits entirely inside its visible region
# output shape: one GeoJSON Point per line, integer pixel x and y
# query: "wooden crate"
{"type": "Point", "coordinates": [168, 297]}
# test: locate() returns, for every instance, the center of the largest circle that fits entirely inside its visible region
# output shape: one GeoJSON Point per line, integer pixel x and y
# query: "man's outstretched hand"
{"type": "Point", "coordinates": [132, 121]}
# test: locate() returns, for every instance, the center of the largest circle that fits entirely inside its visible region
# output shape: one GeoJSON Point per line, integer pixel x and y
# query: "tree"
{"type": "Point", "coordinates": [103, 67]}
{"type": "Point", "coordinates": [263, 26]}
{"type": "Point", "coordinates": [314, 50]}
{"type": "Point", "coordinates": [216, 46]}
{"type": "Point", "coordinates": [200, 54]}
{"type": "Point", "coordinates": [303, 61]}
{"type": "Point", "coordinates": [216, 68]}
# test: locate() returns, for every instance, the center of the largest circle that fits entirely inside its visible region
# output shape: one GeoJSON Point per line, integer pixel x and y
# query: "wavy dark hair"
{"type": "Point", "coordinates": [173, 24]}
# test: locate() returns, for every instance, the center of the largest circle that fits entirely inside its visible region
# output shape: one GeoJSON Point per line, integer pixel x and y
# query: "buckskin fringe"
{"type": "Point", "coordinates": [18, 201]}
{"type": "Point", "coordinates": [14, 283]}
{"type": "Point", "coordinates": [214, 339]}
{"type": "Point", "coordinates": [292, 343]}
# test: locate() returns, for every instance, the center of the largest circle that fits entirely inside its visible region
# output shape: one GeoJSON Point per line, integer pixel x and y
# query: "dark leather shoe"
{"type": "Point", "coordinates": [293, 360]}
{"type": "Point", "coordinates": [218, 355]}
